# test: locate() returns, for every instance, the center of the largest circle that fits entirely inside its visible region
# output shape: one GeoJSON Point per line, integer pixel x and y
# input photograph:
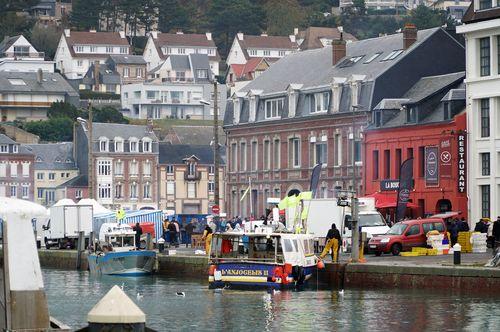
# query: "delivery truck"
{"type": "Point", "coordinates": [65, 224]}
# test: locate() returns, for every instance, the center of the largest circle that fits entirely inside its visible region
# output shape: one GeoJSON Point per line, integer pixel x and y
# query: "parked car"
{"type": "Point", "coordinates": [404, 235]}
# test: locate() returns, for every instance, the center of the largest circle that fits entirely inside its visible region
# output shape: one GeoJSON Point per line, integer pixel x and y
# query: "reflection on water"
{"type": "Point", "coordinates": [72, 294]}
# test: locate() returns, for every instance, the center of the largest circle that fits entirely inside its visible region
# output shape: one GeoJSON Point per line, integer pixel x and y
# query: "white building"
{"type": "Point", "coordinates": [17, 54]}
{"type": "Point", "coordinates": [481, 29]}
{"type": "Point", "coordinates": [77, 50]}
{"type": "Point", "coordinates": [161, 45]}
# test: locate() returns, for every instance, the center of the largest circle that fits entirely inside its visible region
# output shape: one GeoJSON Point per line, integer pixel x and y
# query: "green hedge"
{"type": "Point", "coordinates": [88, 94]}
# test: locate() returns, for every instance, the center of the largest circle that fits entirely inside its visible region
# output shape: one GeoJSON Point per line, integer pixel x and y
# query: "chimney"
{"type": "Point", "coordinates": [122, 34]}
{"type": "Point", "coordinates": [292, 38]}
{"type": "Point", "coordinates": [295, 31]}
{"type": "Point", "coordinates": [264, 34]}
{"type": "Point", "coordinates": [39, 76]}
{"type": "Point", "coordinates": [179, 32]}
{"type": "Point", "coordinates": [240, 35]}
{"type": "Point", "coordinates": [338, 49]}
{"type": "Point", "coordinates": [209, 35]}
{"type": "Point", "coordinates": [154, 34]}
{"type": "Point", "coordinates": [96, 76]}
{"type": "Point", "coordinates": [67, 33]}
{"type": "Point", "coordinates": [409, 35]}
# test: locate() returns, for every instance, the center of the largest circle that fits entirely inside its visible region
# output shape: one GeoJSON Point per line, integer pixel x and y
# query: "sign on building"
{"type": "Point", "coordinates": [431, 166]}
{"type": "Point", "coordinates": [445, 157]}
{"type": "Point", "coordinates": [462, 162]}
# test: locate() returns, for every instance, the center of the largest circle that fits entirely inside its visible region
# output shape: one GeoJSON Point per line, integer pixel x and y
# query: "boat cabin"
{"type": "Point", "coordinates": [116, 237]}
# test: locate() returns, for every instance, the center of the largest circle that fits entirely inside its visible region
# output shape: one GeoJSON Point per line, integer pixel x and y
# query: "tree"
{"type": "Point", "coordinates": [12, 24]}
{"type": "Point", "coordinates": [283, 16]}
{"type": "Point", "coordinates": [61, 109]}
{"type": "Point", "coordinates": [52, 130]}
{"type": "Point", "coordinates": [109, 115]}
{"type": "Point", "coordinates": [45, 39]}
{"type": "Point", "coordinates": [85, 14]}
{"type": "Point", "coordinates": [424, 17]}
{"type": "Point", "coordinates": [176, 14]}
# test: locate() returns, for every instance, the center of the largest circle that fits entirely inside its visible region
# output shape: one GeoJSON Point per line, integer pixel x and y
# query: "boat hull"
{"type": "Point", "coordinates": [256, 275]}
{"type": "Point", "coordinates": [130, 263]}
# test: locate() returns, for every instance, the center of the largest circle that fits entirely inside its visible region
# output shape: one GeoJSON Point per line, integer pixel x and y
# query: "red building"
{"type": "Point", "coordinates": [426, 124]}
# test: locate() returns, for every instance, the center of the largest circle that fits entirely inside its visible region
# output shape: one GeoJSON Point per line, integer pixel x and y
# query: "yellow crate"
{"type": "Point", "coordinates": [409, 254]}
{"type": "Point", "coordinates": [432, 252]}
{"type": "Point", "coordinates": [419, 250]}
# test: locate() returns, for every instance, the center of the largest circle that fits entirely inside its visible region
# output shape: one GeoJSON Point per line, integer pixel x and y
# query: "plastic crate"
{"type": "Point", "coordinates": [409, 254]}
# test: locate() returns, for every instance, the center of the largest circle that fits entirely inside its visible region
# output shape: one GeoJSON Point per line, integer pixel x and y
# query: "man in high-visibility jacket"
{"type": "Point", "coordinates": [333, 241]}
{"type": "Point", "coordinates": [207, 237]}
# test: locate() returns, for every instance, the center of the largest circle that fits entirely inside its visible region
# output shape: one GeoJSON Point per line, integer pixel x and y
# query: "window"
{"type": "Point", "coordinates": [267, 53]}
{"type": "Point", "coordinates": [321, 101]}
{"type": "Point", "coordinates": [211, 169]}
{"type": "Point", "coordinates": [192, 168]}
{"type": "Point", "coordinates": [79, 63]}
{"type": "Point", "coordinates": [170, 169]}
{"type": "Point", "coordinates": [411, 115]}
{"type": "Point", "coordinates": [103, 144]}
{"type": "Point", "coordinates": [119, 168]}
{"type": "Point", "coordinates": [294, 152]}
{"type": "Point", "coordinates": [234, 157]}
{"type": "Point", "coordinates": [119, 190]}
{"type": "Point", "coordinates": [211, 187]}
{"type": "Point", "coordinates": [52, 176]}
{"type": "Point", "coordinates": [398, 161]}
{"type": "Point", "coordinates": [39, 193]}
{"type": "Point", "coordinates": [13, 169]}
{"type": "Point", "coordinates": [16, 81]}
{"type": "Point", "coordinates": [109, 49]}
{"type": "Point", "coordinates": [387, 164]}
{"type": "Point", "coordinates": [26, 169]}
{"type": "Point", "coordinates": [133, 190]}
{"type": "Point", "coordinates": [498, 50]}
{"type": "Point", "coordinates": [25, 191]}
{"type": "Point", "coordinates": [146, 168]}
{"type": "Point", "coordinates": [15, 148]}
{"type": "Point", "coordinates": [409, 153]}
{"type": "Point", "coordinates": [393, 55]}
{"type": "Point", "coordinates": [266, 154]}
{"type": "Point", "coordinates": [104, 167]}
{"type": "Point", "coordinates": [274, 108]}
{"type": "Point", "coordinates": [373, 57]}
{"type": "Point", "coordinates": [252, 52]}
{"type": "Point", "coordinates": [146, 145]}
{"type": "Point", "coordinates": [377, 118]}
{"type": "Point", "coordinates": [133, 145]}
{"type": "Point", "coordinates": [4, 148]}
{"type": "Point", "coordinates": [191, 190]}
{"type": "Point", "coordinates": [13, 191]}
{"type": "Point", "coordinates": [375, 165]}
{"type": "Point", "coordinates": [79, 49]}
{"type": "Point", "coordinates": [78, 193]}
{"type": "Point", "coordinates": [170, 188]}
{"type": "Point", "coordinates": [202, 73]}
{"type": "Point", "coordinates": [338, 147]}
{"type": "Point", "coordinates": [118, 144]}
{"type": "Point", "coordinates": [104, 190]}
{"type": "Point", "coordinates": [39, 176]}
{"type": "Point", "coordinates": [93, 49]}
{"type": "Point", "coordinates": [414, 230]}
{"type": "Point", "coordinates": [147, 190]}
{"type": "Point", "coordinates": [138, 72]}
{"type": "Point", "coordinates": [3, 169]}
{"type": "Point", "coordinates": [282, 53]}
{"type": "Point", "coordinates": [484, 56]}
{"type": "Point", "coordinates": [254, 156]}
{"type": "Point", "coordinates": [123, 50]}
{"type": "Point", "coordinates": [421, 161]}
{"type": "Point", "coordinates": [485, 4]}
{"type": "Point", "coordinates": [321, 153]}
{"type": "Point", "coordinates": [485, 164]}
{"type": "Point", "coordinates": [485, 117]}
{"type": "Point", "coordinates": [485, 201]}
{"type": "Point", "coordinates": [277, 154]}
{"type": "Point", "coordinates": [126, 72]}
{"type": "Point", "coordinates": [182, 51]}
{"type": "Point", "coordinates": [133, 168]}
{"type": "Point", "coordinates": [243, 156]}
{"type": "Point", "coordinates": [357, 151]}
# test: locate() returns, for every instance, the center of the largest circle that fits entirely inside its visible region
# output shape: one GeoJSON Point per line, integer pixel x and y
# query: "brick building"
{"type": "Point", "coordinates": [311, 107]}
{"type": "Point", "coordinates": [427, 123]}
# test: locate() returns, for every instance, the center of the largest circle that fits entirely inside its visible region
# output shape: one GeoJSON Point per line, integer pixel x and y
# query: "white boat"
{"type": "Point", "coordinates": [116, 254]}
{"type": "Point", "coordinates": [261, 259]}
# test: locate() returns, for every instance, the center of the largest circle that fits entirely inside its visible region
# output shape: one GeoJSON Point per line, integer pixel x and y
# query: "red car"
{"type": "Point", "coordinates": [404, 235]}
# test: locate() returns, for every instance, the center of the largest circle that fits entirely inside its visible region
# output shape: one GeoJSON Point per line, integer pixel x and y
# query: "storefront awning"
{"type": "Point", "coordinates": [388, 200]}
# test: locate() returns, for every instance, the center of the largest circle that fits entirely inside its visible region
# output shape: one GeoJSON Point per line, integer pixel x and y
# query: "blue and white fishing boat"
{"type": "Point", "coordinates": [261, 259]}
{"type": "Point", "coordinates": [116, 254]}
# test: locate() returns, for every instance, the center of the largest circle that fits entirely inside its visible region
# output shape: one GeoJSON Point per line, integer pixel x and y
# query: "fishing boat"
{"type": "Point", "coordinates": [262, 258]}
{"type": "Point", "coordinates": [116, 254]}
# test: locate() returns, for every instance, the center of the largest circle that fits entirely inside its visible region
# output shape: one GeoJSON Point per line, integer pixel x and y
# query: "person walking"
{"type": "Point", "coordinates": [138, 232]}
{"type": "Point", "coordinates": [165, 229]}
{"type": "Point", "coordinates": [207, 237]}
{"type": "Point", "coordinates": [333, 239]}
{"type": "Point", "coordinates": [177, 232]}
{"type": "Point", "coordinates": [172, 230]}
{"type": "Point", "coordinates": [189, 232]}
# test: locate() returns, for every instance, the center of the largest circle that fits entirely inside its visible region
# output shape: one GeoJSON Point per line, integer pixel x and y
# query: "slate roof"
{"type": "Point", "coordinates": [57, 156]}
{"type": "Point", "coordinates": [180, 62]}
{"type": "Point", "coordinates": [312, 36]}
{"type": "Point", "coordinates": [8, 42]}
{"type": "Point", "coordinates": [106, 75]}
{"type": "Point", "coordinates": [125, 131]}
{"type": "Point", "coordinates": [51, 83]}
{"type": "Point", "coordinates": [391, 104]}
{"type": "Point", "coordinates": [455, 94]}
{"type": "Point", "coordinates": [4, 139]}
{"type": "Point", "coordinates": [472, 16]}
{"type": "Point", "coordinates": [78, 181]}
{"type": "Point", "coordinates": [128, 59]}
{"type": "Point", "coordinates": [177, 153]}
{"type": "Point", "coordinates": [428, 86]}
{"type": "Point", "coordinates": [191, 135]}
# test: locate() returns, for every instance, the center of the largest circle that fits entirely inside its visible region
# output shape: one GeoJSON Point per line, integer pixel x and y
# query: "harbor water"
{"type": "Point", "coordinates": [71, 294]}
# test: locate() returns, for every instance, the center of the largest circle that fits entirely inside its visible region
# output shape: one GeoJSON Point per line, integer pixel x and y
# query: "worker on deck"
{"type": "Point", "coordinates": [333, 240]}
{"type": "Point", "coordinates": [207, 236]}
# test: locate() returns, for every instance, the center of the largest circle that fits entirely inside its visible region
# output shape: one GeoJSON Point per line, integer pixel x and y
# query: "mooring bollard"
{"type": "Point", "coordinates": [457, 251]}
{"type": "Point", "coordinates": [149, 242]}
{"type": "Point", "coordinates": [161, 245]}
{"type": "Point", "coordinates": [116, 312]}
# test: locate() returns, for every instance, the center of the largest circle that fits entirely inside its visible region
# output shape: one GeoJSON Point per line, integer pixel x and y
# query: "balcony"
{"type": "Point", "coordinates": [177, 80]}
{"type": "Point", "coordinates": [21, 55]}
{"type": "Point", "coordinates": [192, 177]}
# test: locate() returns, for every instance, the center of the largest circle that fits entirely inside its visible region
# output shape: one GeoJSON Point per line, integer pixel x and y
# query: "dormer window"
{"type": "Point", "coordinates": [146, 145]}
{"type": "Point", "coordinates": [118, 144]}
{"type": "Point", "coordinates": [411, 115]}
{"type": "Point", "coordinates": [4, 148]}
{"type": "Point", "coordinates": [133, 144]}
{"type": "Point", "coordinates": [191, 168]}
{"type": "Point", "coordinates": [320, 102]}
{"type": "Point", "coordinates": [446, 111]}
{"type": "Point", "coordinates": [274, 108]}
{"type": "Point", "coordinates": [79, 49]}
{"type": "Point", "coordinates": [39, 159]}
{"type": "Point", "coordinates": [377, 118]}
{"type": "Point", "coordinates": [103, 144]}
{"type": "Point", "coordinates": [485, 4]}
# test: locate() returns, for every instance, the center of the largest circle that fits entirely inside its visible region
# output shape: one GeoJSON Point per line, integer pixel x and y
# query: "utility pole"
{"type": "Point", "coordinates": [216, 145]}
{"type": "Point", "coordinates": [354, 199]}
{"type": "Point", "coordinates": [91, 163]}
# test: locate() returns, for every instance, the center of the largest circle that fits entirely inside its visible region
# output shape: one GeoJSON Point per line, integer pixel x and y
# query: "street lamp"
{"type": "Point", "coordinates": [89, 145]}
{"type": "Point", "coordinates": [216, 142]}
{"type": "Point", "coordinates": [354, 199]}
